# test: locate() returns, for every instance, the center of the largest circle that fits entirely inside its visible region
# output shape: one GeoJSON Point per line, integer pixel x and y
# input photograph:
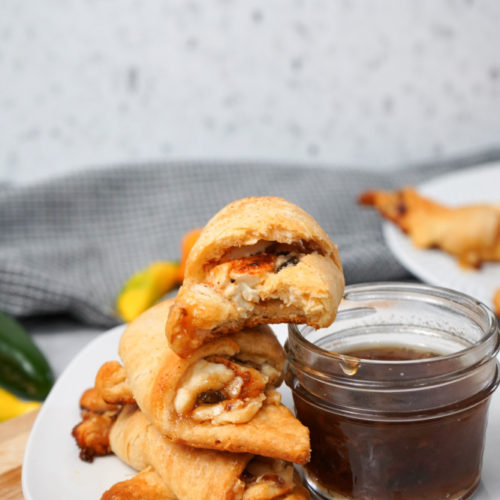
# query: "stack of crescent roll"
{"type": "Point", "coordinates": [194, 407]}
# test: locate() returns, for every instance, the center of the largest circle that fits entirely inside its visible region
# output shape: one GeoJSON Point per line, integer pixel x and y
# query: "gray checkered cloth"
{"type": "Point", "coordinates": [67, 246]}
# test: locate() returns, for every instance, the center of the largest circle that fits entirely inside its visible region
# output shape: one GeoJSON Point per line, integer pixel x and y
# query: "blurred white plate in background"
{"type": "Point", "coordinates": [474, 185]}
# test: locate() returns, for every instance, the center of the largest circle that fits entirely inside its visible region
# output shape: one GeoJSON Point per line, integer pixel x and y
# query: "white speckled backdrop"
{"type": "Point", "coordinates": [375, 83]}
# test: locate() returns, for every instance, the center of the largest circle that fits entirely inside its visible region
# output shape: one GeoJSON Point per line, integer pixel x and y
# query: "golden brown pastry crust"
{"type": "Point", "coordinates": [93, 401]}
{"type": "Point", "coordinates": [111, 384]}
{"type": "Point", "coordinates": [146, 485]}
{"type": "Point", "coordinates": [154, 372]}
{"type": "Point", "coordinates": [189, 473]}
{"type": "Point", "coordinates": [307, 291]}
{"type": "Point", "coordinates": [247, 221]}
{"type": "Point", "coordinates": [299, 493]}
{"type": "Point", "coordinates": [169, 470]}
{"type": "Point", "coordinates": [92, 433]}
{"type": "Point", "coordinates": [470, 233]}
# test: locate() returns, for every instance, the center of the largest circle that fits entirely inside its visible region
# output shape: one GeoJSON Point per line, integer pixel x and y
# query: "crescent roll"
{"type": "Point", "coordinates": [259, 260]}
{"type": "Point", "coordinates": [146, 485]}
{"type": "Point", "coordinates": [92, 433]}
{"type": "Point", "coordinates": [172, 471]}
{"type": "Point", "coordinates": [220, 397]}
{"type": "Point", "coordinates": [193, 474]}
{"type": "Point", "coordinates": [470, 233]}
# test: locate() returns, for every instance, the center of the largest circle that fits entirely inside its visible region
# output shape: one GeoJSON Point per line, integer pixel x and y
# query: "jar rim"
{"type": "Point", "coordinates": [415, 289]}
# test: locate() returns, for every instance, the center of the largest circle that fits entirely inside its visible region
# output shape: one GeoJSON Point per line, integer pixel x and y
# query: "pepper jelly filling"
{"type": "Point", "coordinates": [225, 390]}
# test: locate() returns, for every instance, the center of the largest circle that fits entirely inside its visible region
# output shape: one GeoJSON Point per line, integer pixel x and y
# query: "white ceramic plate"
{"type": "Point", "coordinates": [52, 469]}
{"type": "Point", "coordinates": [474, 185]}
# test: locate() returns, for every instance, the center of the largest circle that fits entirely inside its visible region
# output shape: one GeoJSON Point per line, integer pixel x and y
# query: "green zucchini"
{"type": "Point", "coordinates": [24, 370]}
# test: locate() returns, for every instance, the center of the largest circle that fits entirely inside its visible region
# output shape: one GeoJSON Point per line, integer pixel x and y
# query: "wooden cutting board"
{"type": "Point", "coordinates": [13, 437]}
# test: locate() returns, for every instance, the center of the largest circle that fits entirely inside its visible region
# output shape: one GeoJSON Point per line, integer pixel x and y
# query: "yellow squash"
{"type": "Point", "coordinates": [11, 406]}
{"type": "Point", "coordinates": [144, 288]}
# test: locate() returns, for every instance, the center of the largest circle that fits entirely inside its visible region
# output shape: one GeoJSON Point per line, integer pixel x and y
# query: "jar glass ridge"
{"type": "Point", "coordinates": [390, 429]}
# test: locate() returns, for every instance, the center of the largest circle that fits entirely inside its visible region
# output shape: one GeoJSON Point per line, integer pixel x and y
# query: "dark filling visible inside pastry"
{"type": "Point", "coordinates": [222, 389]}
{"type": "Point", "coordinates": [210, 398]}
{"type": "Point", "coordinates": [243, 271]}
{"type": "Point", "coordinates": [262, 263]}
{"type": "Point", "coordinates": [259, 275]}
{"type": "Point", "coordinates": [267, 478]}
{"type": "Point", "coordinates": [291, 260]}
{"type": "Point", "coordinates": [268, 253]}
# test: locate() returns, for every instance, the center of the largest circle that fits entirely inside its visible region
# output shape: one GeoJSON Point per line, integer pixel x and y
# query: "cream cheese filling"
{"type": "Point", "coordinates": [267, 479]}
{"type": "Point", "coordinates": [244, 280]}
{"type": "Point", "coordinates": [225, 412]}
{"type": "Point", "coordinates": [260, 363]}
{"type": "Point", "coordinates": [202, 377]}
{"type": "Point", "coordinates": [221, 390]}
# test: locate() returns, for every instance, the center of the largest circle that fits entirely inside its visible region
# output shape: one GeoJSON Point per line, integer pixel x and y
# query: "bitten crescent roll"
{"type": "Point", "coordinates": [193, 474]}
{"type": "Point", "coordinates": [221, 397]}
{"type": "Point", "coordinates": [259, 260]}
{"type": "Point", "coordinates": [470, 233]}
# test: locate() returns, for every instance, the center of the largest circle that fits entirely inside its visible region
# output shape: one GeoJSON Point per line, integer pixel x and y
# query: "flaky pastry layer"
{"type": "Point", "coordinates": [257, 261]}
{"type": "Point", "coordinates": [195, 474]}
{"type": "Point", "coordinates": [155, 373]}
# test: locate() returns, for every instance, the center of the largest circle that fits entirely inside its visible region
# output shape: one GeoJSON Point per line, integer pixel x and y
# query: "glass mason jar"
{"type": "Point", "coordinates": [400, 426]}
